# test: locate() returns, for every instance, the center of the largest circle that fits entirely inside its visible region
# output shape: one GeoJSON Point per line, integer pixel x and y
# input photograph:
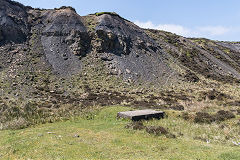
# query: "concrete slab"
{"type": "Point", "coordinates": [141, 114]}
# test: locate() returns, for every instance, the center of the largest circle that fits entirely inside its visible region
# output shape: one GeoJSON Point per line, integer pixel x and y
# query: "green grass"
{"type": "Point", "coordinates": [110, 13]}
{"type": "Point", "coordinates": [228, 51]}
{"type": "Point", "coordinates": [102, 136]}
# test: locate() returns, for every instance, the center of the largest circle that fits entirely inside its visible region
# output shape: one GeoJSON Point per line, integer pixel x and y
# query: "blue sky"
{"type": "Point", "coordinates": [214, 19]}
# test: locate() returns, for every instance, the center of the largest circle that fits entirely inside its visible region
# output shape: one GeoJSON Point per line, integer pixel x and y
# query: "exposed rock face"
{"type": "Point", "coordinates": [1, 35]}
{"type": "Point", "coordinates": [13, 22]}
{"type": "Point", "coordinates": [63, 36]}
{"type": "Point", "coordinates": [122, 37]}
{"type": "Point", "coordinates": [110, 42]}
{"type": "Point", "coordinates": [133, 53]}
{"type": "Point", "coordinates": [67, 24]}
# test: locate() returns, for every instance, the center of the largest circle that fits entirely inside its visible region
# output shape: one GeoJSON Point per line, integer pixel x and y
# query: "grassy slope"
{"type": "Point", "coordinates": [102, 136]}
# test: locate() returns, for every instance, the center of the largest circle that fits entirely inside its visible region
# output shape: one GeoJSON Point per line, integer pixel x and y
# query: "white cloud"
{"type": "Point", "coordinates": [214, 30]}
{"type": "Point", "coordinates": [178, 29]}
{"type": "Point", "coordinates": [202, 31]}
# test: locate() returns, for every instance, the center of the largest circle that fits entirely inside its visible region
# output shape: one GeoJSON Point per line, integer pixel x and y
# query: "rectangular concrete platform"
{"type": "Point", "coordinates": [141, 114]}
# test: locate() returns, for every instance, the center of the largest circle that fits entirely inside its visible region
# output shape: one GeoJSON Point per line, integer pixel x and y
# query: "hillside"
{"type": "Point", "coordinates": [64, 77]}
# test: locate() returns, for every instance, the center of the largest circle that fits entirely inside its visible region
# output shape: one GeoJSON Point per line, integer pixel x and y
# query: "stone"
{"type": "Point", "coordinates": [141, 114]}
{"type": "Point", "coordinates": [40, 135]}
{"type": "Point", "coordinates": [76, 136]}
{"type": "Point", "coordinates": [128, 71]}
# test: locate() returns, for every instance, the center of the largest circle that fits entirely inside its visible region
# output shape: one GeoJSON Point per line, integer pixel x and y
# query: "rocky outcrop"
{"type": "Point", "coordinates": [79, 42]}
{"type": "Point", "coordinates": [13, 22]}
{"type": "Point", "coordinates": [63, 36]}
{"type": "Point", "coordinates": [128, 51]}
{"type": "Point", "coordinates": [110, 42]}
{"type": "Point", "coordinates": [122, 37]}
{"type": "Point", "coordinates": [66, 23]}
{"type": "Point", "coordinates": [1, 35]}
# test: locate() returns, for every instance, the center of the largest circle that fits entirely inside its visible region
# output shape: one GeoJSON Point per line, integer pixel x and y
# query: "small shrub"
{"type": "Point", "coordinates": [68, 7]}
{"type": "Point", "coordinates": [170, 135]}
{"type": "Point", "coordinates": [157, 130]}
{"type": "Point", "coordinates": [185, 116]}
{"type": "Point", "coordinates": [137, 125]}
{"type": "Point", "coordinates": [224, 115]}
{"type": "Point", "coordinates": [203, 117]}
{"type": "Point", "coordinates": [177, 107]}
{"type": "Point", "coordinates": [200, 138]}
{"type": "Point", "coordinates": [215, 95]}
{"type": "Point", "coordinates": [191, 77]}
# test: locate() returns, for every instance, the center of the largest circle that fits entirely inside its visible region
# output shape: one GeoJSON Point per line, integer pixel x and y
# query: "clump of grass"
{"type": "Point", "coordinates": [188, 54]}
{"type": "Point", "coordinates": [228, 51]}
{"type": "Point", "coordinates": [17, 123]}
{"type": "Point", "coordinates": [18, 115]}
